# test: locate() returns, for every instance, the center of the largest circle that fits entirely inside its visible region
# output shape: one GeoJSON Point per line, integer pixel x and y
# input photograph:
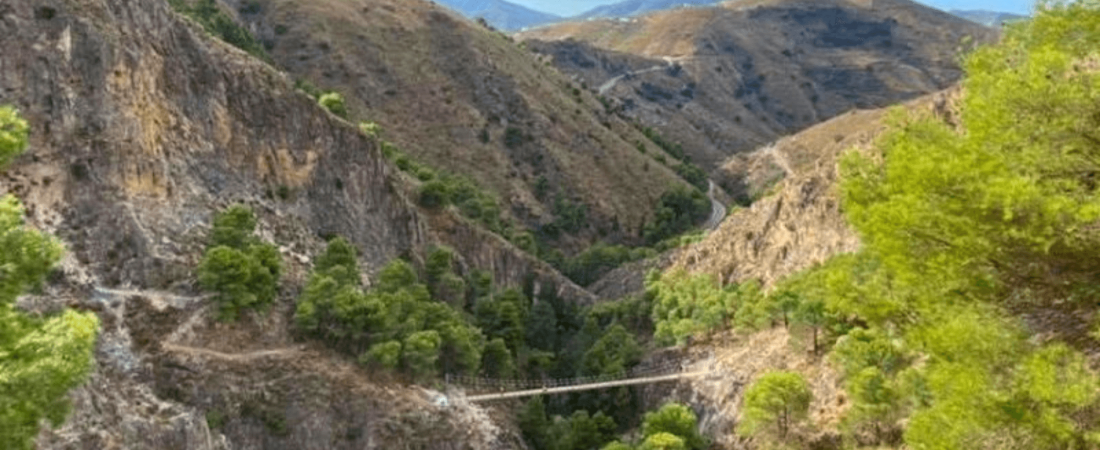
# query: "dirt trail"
{"type": "Point", "coordinates": [280, 352]}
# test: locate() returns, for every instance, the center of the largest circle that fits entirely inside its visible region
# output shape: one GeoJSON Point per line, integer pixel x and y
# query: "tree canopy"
{"type": "Point", "coordinates": [41, 358]}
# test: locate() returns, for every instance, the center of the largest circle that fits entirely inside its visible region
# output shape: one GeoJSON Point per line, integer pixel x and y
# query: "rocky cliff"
{"type": "Point", "coordinates": [465, 99]}
{"type": "Point", "coordinates": [143, 127]}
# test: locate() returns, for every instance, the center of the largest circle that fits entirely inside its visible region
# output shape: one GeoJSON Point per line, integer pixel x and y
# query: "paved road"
{"type": "Point", "coordinates": [717, 209]}
{"type": "Point", "coordinates": [584, 387]}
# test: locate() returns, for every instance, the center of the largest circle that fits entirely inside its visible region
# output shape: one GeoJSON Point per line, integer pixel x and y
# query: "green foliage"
{"type": "Point", "coordinates": [672, 148]}
{"type": "Point", "coordinates": [663, 441]}
{"type": "Point", "coordinates": [959, 228]}
{"type": "Point", "coordinates": [370, 129]}
{"type": "Point", "coordinates": [677, 420]}
{"type": "Point", "coordinates": [215, 419]}
{"type": "Point", "coordinates": [693, 175]}
{"type": "Point", "coordinates": [41, 358]}
{"type": "Point", "coordinates": [13, 135]}
{"type": "Point", "coordinates": [685, 305]}
{"type": "Point", "coordinates": [242, 271]}
{"type": "Point", "coordinates": [678, 210]}
{"type": "Point", "coordinates": [386, 355]}
{"type": "Point", "coordinates": [596, 261]}
{"type": "Point", "coordinates": [334, 103]}
{"type": "Point", "coordinates": [219, 24]}
{"type": "Point", "coordinates": [420, 352]}
{"type": "Point", "coordinates": [774, 403]}
{"type": "Point", "coordinates": [397, 324]}
{"type": "Point", "coordinates": [613, 353]}
{"type": "Point", "coordinates": [582, 431]}
{"type": "Point", "coordinates": [513, 137]}
{"type": "Point", "coordinates": [569, 216]}
{"type": "Point", "coordinates": [496, 360]}
{"type": "Point", "coordinates": [535, 425]}
{"type": "Point", "coordinates": [616, 445]}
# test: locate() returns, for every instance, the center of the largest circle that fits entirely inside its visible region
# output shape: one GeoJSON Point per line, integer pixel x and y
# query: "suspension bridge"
{"type": "Point", "coordinates": [501, 389]}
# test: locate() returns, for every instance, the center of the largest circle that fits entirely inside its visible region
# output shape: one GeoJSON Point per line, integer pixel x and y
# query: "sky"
{"type": "Point", "coordinates": [573, 7]}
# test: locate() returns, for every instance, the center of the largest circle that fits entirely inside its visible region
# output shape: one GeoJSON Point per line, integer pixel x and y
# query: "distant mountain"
{"type": "Point", "coordinates": [627, 8]}
{"type": "Point", "coordinates": [987, 18]}
{"type": "Point", "coordinates": [724, 80]}
{"type": "Point", "coordinates": [503, 15]}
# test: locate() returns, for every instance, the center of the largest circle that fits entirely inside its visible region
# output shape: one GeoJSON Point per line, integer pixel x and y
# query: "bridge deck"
{"type": "Point", "coordinates": [583, 387]}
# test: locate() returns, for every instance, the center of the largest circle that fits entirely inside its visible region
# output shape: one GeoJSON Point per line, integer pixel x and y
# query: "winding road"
{"type": "Point", "coordinates": [717, 209]}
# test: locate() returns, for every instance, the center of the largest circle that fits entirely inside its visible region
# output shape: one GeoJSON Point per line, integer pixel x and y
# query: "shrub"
{"type": "Point", "coordinates": [677, 420]}
{"type": "Point", "coordinates": [370, 129]}
{"type": "Point", "coordinates": [678, 210]}
{"type": "Point", "coordinates": [334, 103]}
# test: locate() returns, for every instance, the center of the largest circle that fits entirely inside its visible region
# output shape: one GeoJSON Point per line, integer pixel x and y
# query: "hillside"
{"type": "Point", "coordinates": [142, 127]}
{"type": "Point", "coordinates": [461, 98]}
{"type": "Point", "coordinates": [628, 8]}
{"type": "Point", "coordinates": [732, 78]}
{"type": "Point", "coordinates": [987, 18]}
{"type": "Point", "coordinates": [501, 14]}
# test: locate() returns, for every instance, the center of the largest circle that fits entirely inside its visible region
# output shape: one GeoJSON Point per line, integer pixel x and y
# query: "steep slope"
{"type": "Point", "coordinates": [142, 127]}
{"type": "Point", "coordinates": [731, 78]}
{"type": "Point", "coordinates": [629, 8]}
{"type": "Point", "coordinates": [464, 99]}
{"type": "Point", "coordinates": [500, 14]}
{"type": "Point", "coordinates": [987, 18]}
{"type": "Point", "coordinates": [799, 223]}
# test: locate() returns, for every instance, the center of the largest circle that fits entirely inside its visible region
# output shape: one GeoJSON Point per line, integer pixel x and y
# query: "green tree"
{"type": "Point", "coordinates": [421, 350]}
{"type": "Point", "coordinates": [233, 228]}
{"type": "Point", "coordinates": [13, 135]}
{"type": "Point", "coordinates": [675, 419]}
{"type": "Point", "coordinates": [616, 445]}
{"type": "Point", "coordinates": [496, 360]}
{"type": "Point", "coordinates": [663, 441]}
{"type": "Point", "coordinates": [385, 355]}
{"type": "Point", "coordinates": [339, 253]}
{"type": "Point", "coordinates": [534, 424]}
{"type": "Point", "coordinates": [41, 358]}
{"type": "Point", "coordinates": [774, 403]}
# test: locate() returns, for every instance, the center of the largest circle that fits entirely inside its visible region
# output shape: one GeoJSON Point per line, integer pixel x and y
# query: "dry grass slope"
{"type": "Point", "coordinates": [451, 93]}
{"type": "Point", "coordinates": [744, 73]}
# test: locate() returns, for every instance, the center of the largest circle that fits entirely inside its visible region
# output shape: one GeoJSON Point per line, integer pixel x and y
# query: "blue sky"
{"type": "Point", "coordinates": [571, 7]}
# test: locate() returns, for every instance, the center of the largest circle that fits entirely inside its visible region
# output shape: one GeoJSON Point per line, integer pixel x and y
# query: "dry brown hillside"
{"type": "Point", "coordinates": [734, 77]}
{"type": "Point", "coordinates": [799, 222]}
{"type": "Point", "coordinates": [463, 98]}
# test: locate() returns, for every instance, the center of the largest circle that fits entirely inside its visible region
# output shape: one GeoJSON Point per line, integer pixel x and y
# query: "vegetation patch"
{"type": "Point", "coordinates": [242, 271]}
{"type": "Point", "coordinates": [219, 24]}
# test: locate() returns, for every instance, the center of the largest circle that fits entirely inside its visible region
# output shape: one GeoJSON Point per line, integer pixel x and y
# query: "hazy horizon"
{"type": "Point", "coordinates": [573, 7]}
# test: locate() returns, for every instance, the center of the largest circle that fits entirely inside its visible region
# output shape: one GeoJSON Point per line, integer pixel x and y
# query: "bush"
{"type": "Point", "coordinates": [334, 103]}
{"type": "Point", "coordinates": [677, 420]}
{"type": "Point", "coordinates": [370, 129]}
{"type": "Point", "coordinates": [242, 271]}
{"type": "Point", "coordinates": [693, 175]}
{"type": "Point", "coordinates": [678, 210]}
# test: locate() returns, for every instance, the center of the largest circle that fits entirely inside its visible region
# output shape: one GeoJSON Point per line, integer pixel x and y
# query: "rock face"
{"type": "Point", "coordinates": [729, 79]}
{"type": "Point", "coordinates": [799, 221]}
{"type": "Point", "coordinates": [464, 99]}
{"type": "Point", "coordinates": [143, 127]}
